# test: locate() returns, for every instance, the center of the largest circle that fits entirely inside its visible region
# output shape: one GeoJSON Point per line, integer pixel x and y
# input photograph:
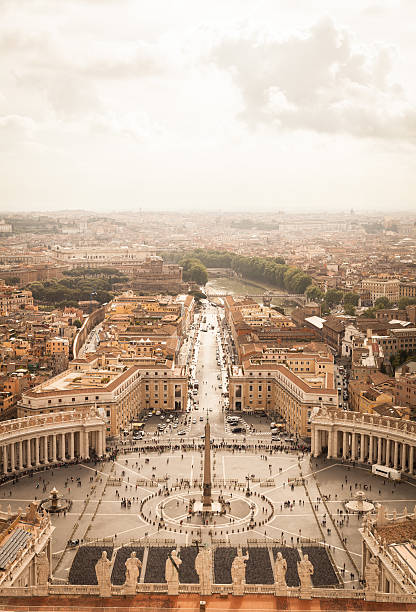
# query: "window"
{"type": "Point", "coordinates": [49, 401]}
{"type": "Point", "coordinates": [73, 399]}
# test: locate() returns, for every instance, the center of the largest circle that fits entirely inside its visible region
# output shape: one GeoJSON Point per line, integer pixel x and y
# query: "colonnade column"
{"type": "Point", "coordinates": [379, 441]}
{"type": "Point", "coordinates": [36, 451]}
{"type": "Point", "coordinates": [53, 447]}
{"type": "Point", "coordinates": [86, 445]}
{"type": "Point", "coordinates": [99, 445]}
{"type": "Point", "coordinates": [20, 455]}
{"type": "Point", "coordinates": [411, 457]}
{"type": "Point", "coordinates": [354, 446]}
{"type": "Point", "coordinates": [344, 444]}
{"type": "Point", "coordinates": [404, 453]}
{"type": "Point", "coordinates": [396, 455]}
{"type": "Point", "coordinates": [362, 447]}
{"type": "Point", "coordinates": [28, 453]}
{"type": "Point", "coordinates": [71, 445]}
{"type": "Point", "coordinates": [329, 445]}
{"type": "Point", "coordinates": [45, 450]}
{"type": "Point", "coordinates": [12, 457]}
{"type": "Point", "coordinates": [388, 452]}
{"type": "Point", "coordinates": [63, 453]}
{"type": "Point", "coordinates": [5, 459]}
{"type": "Point", "coordinates": [370, 451]}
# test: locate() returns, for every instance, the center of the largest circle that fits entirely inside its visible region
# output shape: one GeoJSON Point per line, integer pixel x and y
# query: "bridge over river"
{"type": "Point", "coordinates": [266, 296]}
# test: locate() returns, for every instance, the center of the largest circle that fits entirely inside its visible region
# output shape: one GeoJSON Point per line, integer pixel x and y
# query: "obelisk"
{"type": "Point", "coordinates": [206, 492]}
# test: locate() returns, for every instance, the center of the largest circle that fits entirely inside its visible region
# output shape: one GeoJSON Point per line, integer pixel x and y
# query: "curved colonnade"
{"type": "Point", "coordinates": [366, 438]}
{"type": "Point", "coordinates": [44, 440]}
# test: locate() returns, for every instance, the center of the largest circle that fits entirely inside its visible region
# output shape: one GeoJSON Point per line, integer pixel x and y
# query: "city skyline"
{"type": "Point", "coordinates": [192, 107]}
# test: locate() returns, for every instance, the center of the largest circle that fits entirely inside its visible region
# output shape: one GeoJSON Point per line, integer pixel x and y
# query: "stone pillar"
{"type": "Point", "coordinates": [53, 447]}
{"type": "Point", "coordinates": [411, 458]}
{"type": "Point", "coordinates": [36, 451]}
{"type": "Point", "coordinates": [396, 455]}
{"type": "Point", "coordinates": [379, 440]}
{"type": "Point", "coordinates": [5, 460]}
{"type": "Point", "coordinates": [86, 445]}
{"type": "Point", "coordinates": [354, 446]}
{"type": "Point", "coordinates": [403, 458]}
{"type": "Point", "coordinates": [99, 446]}
{"type": "Point", "coordinates": [388, 452]}
{"type": "Point", "coordinates": [63, 453]}
{"type": "Point", "coordinates": [45, 450]}
{"type": "Point", "coordinates": [20, 455]}
{"type": "Point", "coordinates": [71, 445]}
{"type": "Point", "coordinates": [362, 447]}
{"type": "Point", "coordinates": [316, 449]}
{"type": "Point", "coordinates": [29, 453]}
{"type": "Point", "coordinates": [371, 452]}
{"type": "Point", "coordinates": [329, 445]}
{"type": "Point", "coordinates": [344, 444]}
{"type": "Point", "coordinates": [12, 457]}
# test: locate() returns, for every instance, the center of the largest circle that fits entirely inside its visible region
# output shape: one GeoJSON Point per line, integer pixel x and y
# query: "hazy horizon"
{"type": "Point", "coordinates": [229, 106]}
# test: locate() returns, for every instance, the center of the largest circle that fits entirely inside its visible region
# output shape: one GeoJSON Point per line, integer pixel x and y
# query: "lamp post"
{"type": "Point", "coordinates": [248, 492]}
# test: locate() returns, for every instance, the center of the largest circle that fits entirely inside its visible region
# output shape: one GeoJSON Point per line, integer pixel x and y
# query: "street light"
{"type": "Point", "coordinates": [248, 492]}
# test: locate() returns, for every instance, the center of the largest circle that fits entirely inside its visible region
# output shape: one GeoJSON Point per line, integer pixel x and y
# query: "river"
{"type": "Point", "coordinates": [238, 286]}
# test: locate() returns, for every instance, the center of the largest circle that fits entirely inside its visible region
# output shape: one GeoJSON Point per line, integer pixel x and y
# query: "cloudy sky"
{"type": "Point", "coordinates": [226, 104]}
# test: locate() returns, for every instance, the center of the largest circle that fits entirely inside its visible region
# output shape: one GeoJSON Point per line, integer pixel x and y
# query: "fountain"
{"type": "Point", "coordinates": [359, 504]}
{"type": "Point", "coordinates": [56, 503]}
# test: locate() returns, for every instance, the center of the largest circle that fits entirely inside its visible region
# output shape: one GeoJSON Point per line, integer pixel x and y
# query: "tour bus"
{"type": "Point", "coordinates": [386, 472]}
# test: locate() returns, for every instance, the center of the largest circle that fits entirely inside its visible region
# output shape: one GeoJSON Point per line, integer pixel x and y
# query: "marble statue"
{"type": "Point", "coordinates": [172, 572]}
{"type": "Point", "coordinates": [103, 572]}
{"type": "Point", "coordinates": [280, 569]}
{"type": "Point", "coordinates": [238, 572]}
{"type": "Point", "coordinates": [371, 575]}
{"type": "Point", "coordinates": [305, 571]}
{"type": "Point", "coordinates": [203, 566]}
{"type": "Point", "coordinates": [133, 567]}
{"type": "Point", "coordinates": [42, 573]}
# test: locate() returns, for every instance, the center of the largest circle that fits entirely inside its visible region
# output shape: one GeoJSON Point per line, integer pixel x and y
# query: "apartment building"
{"type": "Point", "coordinates": [12, 299]}
{"type": "Point", "coordinates": [381, 287]}
{"type": "Point", "coordinates": [288, 383]}
{"type": "Point", "coordinates": [121, 393]}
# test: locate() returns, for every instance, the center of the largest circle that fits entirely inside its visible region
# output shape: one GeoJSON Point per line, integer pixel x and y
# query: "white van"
{"type": "Point", "coordinates": [386, 472]}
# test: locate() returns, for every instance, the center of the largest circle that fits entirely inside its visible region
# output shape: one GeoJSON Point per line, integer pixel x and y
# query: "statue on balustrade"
{"type": "Point", "coordinates": [103, 572]}
{"type": "Point", "coordinates": [172, 572]}
{"type": "Point", "coordinates": [371, 575]}
{"type": "Point", "coordinates": [305, 571]}
{"type": "Point", "coordinates": [280, 569]}
{"type": "Point", "coordinates": [203, 566]}
{"type": "Point", "coordinates": [133, 567]}
{"type": "Point", "coordinates": [42, 573]}
{"type": "Point", "coordinates": [238, 572]}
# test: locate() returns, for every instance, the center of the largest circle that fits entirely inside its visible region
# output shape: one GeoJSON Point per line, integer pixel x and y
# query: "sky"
{"type": "Point", "coordinates": [294, 105]}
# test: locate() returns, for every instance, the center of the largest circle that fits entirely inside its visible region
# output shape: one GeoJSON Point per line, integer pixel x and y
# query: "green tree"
{"type": "Point", "coordinates": [351, 298]}
{"type": "Point", "coordinates": [333, 297]}
{"type": "Point", "coordinates": [349, 309]}
{"type": "Point", "coordinates": [382, 302]}
{"type": "Point", "coordinates": [314, 293]}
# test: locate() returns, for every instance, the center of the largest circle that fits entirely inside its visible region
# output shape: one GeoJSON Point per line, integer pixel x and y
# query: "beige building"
{"type": "Point", "coordinates": [120, 392]}
{"type": "Point", "coordinates": [289, 383]}
{"type": "Point", "coordinates": [379, 287]}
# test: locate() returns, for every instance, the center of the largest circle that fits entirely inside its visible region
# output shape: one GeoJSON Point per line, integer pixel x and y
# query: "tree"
{"type": "Point", "coordinates": [382, 302]}
{"type": "Point", "coordinates": [351, 298]}
{"type": "Point", "coordinates": [333, 297]}
{"type": "Point", "coordinates": [77, 323]}
{"type": "Point", "coordinates": [314, 293]}
{"type": "Point", "coordinates": [349, 310]}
